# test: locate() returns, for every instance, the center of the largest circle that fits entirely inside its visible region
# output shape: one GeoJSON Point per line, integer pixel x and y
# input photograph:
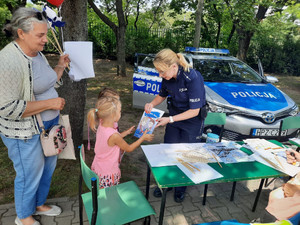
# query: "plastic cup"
{"type": "Point", "coordinates": [212, 138]}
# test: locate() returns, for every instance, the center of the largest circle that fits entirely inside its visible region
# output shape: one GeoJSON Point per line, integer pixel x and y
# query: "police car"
{"type": "Point", "coordinates": [254, 107]}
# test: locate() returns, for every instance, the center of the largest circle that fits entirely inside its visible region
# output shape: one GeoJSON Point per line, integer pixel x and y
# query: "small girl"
{"type": "Point", "coordinates": [109, 141]}
{"type": "Point", "coordinates": [109, 92]}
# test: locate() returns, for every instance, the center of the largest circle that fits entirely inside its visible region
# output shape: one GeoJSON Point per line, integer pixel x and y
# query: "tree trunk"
{"type": "Point", "coordinates": [218, 34]}
{"type": "Point", "coordinates": [244, 42]}
{"type": "Point", "coordinates": [245, 35]}
{"type": "Point", "coordinates": [74, 93]}
{"type": "Point", "coordinates": [231, 34]}
{"type": "Point", "coordinates": [198, 23]}
{"type": "Point", "coordinates": [119, 32]}
{"type": "Point", "coordinates": [121, 50]}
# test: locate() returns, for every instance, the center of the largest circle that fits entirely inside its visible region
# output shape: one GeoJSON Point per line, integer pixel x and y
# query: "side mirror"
{"type": "Point", "coordinates": [271, 79]}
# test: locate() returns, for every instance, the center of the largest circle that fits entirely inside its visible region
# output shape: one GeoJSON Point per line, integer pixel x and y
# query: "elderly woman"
{"type": "Point", "coordinates": [24, 73]}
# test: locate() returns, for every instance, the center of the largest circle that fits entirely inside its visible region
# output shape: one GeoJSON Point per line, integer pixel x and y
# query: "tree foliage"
{"type": "Point", "coordinates": [259, 28]}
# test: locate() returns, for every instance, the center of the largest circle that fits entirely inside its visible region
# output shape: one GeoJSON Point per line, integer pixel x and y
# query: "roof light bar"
{"type": "Point", "coordinates": [207, 50]}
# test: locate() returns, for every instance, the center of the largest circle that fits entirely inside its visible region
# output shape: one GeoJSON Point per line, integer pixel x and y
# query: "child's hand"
{"type": "Point", "coordinates": [147, 137]}
{"type": "Point", "coordinates": [130, 130]}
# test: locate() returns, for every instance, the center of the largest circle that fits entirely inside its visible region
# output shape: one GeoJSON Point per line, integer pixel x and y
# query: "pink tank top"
{"type": "Point", "coordinates": [106, 159]}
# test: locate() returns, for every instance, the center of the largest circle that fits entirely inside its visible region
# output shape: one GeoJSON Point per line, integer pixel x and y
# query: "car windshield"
{"type": "Point", "coordinates": [226, 71]}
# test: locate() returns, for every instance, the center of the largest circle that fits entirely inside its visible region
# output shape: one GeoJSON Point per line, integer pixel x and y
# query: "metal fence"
{"type": "Point", "coordinates": [142, 39]}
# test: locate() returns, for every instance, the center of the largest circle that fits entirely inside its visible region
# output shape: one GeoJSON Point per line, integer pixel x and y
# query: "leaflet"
{"type": "Point", "coordinates": [148, 122]}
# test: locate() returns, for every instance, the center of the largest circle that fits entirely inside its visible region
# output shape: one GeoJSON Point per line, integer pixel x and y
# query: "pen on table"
{"type": "Point", "coordinates": [216, 160]}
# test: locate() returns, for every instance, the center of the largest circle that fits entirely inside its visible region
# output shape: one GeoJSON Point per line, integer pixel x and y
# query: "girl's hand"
{"type": "Point", "coordinates": [148, 107]}
{"type": "Point", "coordinates": [147, 137]}
{"type": "Point", "coordinates": [163, 121]}
{"type": "Point", "coordinates": [130, 130]}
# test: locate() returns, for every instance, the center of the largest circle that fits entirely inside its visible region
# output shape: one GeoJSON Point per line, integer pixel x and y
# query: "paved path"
{"type": "Point", "coordinates": [191, 211]}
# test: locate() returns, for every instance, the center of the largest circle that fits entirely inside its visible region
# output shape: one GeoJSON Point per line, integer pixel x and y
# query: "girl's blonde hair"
{"type": "Point", "coordinates": [166, 57]}
{"type": "Point", "coordinates": [105, 107]}
{"type": "Point", "coordinates": [108, 92]}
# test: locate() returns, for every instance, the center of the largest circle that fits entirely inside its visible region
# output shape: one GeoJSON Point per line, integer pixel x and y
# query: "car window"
{"type": "Point", "coordinates": [147, 62]}
{"type": "Point", "coordinates": [226, 71]}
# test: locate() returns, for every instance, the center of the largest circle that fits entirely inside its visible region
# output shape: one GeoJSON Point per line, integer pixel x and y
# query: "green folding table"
{"type": "Point", "coordinates": [172, 176]}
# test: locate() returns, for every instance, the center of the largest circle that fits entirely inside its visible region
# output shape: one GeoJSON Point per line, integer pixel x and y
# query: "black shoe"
{"type": "Point", "coordinates": [179, 196]}
{"type": "Point", "coordinates": [157, 193]}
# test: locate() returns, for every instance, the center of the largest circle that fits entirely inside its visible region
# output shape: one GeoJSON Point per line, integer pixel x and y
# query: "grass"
{"type": "Point", "coordinates": [65, 178]}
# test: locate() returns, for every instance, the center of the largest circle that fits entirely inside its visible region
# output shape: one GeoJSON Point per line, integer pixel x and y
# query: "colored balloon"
{"type": "Point", "coordinates": [55, 2]}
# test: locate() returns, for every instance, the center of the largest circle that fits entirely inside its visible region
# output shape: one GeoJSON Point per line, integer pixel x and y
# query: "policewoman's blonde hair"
{"type": "Point", "coordinates": [166, 57]}
{"type": "Point", "coordinates": [105, 107]}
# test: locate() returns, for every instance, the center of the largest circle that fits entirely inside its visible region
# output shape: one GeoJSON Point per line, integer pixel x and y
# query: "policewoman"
{"type": "Point", "coordinates": [184, 89]}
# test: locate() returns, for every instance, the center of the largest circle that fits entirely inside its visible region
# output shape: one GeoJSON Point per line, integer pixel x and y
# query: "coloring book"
{"type": "Point", "coordinates": [148, 122]}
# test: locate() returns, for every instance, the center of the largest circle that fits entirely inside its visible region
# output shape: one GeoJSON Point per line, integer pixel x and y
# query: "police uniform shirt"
{"type": "Point", "coordinates": [186, 91]}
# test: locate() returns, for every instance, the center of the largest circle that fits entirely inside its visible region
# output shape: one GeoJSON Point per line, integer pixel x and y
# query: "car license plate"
{"type": "Point", "coordinates": [267, 132]}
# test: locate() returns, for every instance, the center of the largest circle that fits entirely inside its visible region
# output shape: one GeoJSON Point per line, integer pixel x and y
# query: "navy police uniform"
{"type": "Point", "coordinates": [184, 93]}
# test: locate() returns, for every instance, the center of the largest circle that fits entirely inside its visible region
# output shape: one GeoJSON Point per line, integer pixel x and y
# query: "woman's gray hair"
{"type": "Point", "coordinates": [23, 18]}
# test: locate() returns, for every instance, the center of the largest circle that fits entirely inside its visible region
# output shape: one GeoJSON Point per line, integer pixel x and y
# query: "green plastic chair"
{"type": "Point", "coordinates": [120, 204]}
{"type": "Point", "coordinates": [214, 119]}
{"type": "Point", "coordinates": [292, 122]}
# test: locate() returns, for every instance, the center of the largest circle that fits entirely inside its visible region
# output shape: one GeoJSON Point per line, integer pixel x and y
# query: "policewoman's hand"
{"type": "Point", "coordinates": [163, 121]}
{"type": "Point", "coordinates": [148, 107]}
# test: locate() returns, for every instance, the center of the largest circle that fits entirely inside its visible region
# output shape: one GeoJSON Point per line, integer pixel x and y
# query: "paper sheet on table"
{"type": "Point", "coordinates": [262, 144]}
{"type": "Point", "coordinates": [81, 56]}
{"type": "Point", "coordinates": [167, 154]}
{"type": "Point", "coordinates": [161, 154]}
{"type": "Point", "coordinates": [228, 152]}
{"type": "Point", "coordinates": [153, 154]}
{"type": "Point", "coordinates": [283, 166]}
{"type": "Point", "coordinates": [206, 172]}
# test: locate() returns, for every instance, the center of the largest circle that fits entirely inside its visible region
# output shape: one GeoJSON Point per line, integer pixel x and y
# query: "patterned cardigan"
{"type": "Point", "coordinates": [16, 88]}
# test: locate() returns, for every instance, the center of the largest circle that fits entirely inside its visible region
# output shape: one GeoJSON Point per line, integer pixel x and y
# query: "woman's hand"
{"type": "Point", "coordinates": [290, 189]}
{"type": "Point", "coordinates": [148, 107]}
{"type": "Point", "coordinates": [163, 121]}
{"type": "Point", "coordinates": [63, 61]}
{"type": "Point", "coordinates": [35, 107]}
{"type": "Point", "coordinates": [57, 103]}
{"type": "Point", "coordinates": [292, 156]}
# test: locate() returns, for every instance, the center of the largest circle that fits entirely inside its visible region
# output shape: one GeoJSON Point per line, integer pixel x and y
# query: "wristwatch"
{"type": "Point", "coordinates": [171, 119]}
